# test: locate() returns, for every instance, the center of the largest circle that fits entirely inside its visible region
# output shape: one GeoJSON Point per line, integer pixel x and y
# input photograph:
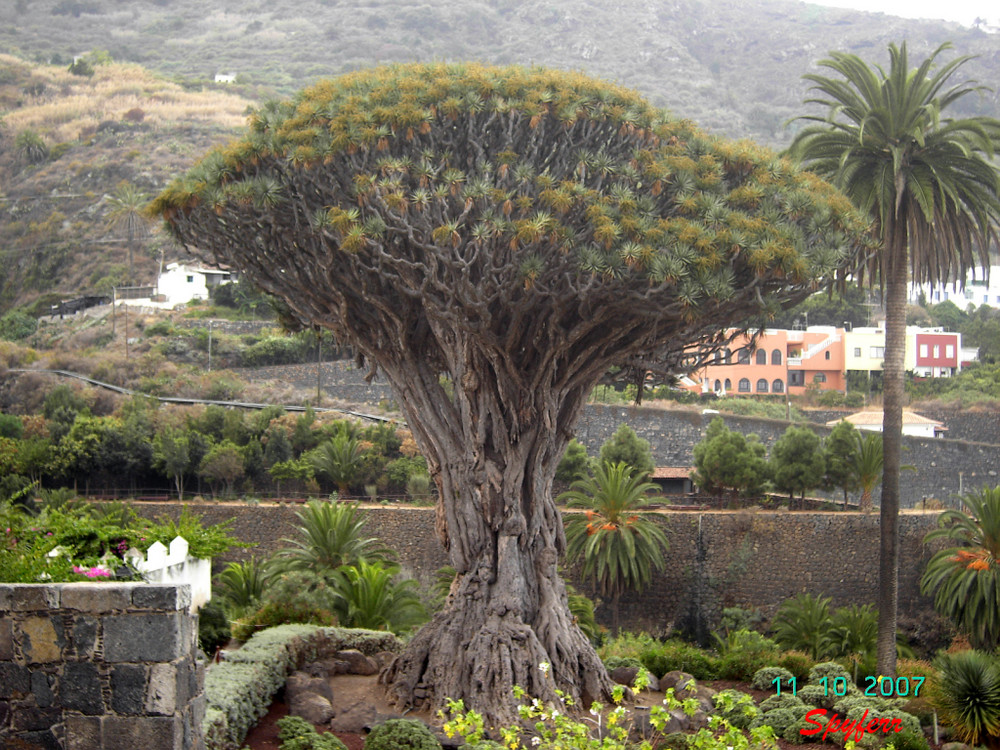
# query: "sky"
{"type": "Point", "coordinates": [959, 11]}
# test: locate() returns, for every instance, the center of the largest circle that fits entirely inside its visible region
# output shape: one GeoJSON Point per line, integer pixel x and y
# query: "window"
{"type": "Point", "coordinates": [778, 386]}
{"type": "Point", "coordinates": [728, 358]}
{"type": "Point", "coordinates": [718, 358]}
{"type": "Point", "coordinates": [762, 386]}
{"type": "Point", "coordinates": [949, 350]}
{"type": "Point", "coordinates": [923, 350]}
{"type": "Point", "coordinates": [827, 355]}
{"type": "Point", "coordinates": [937, 351]}
{"type": "Point", "coordinates": [819, 378]}
{"type": "Point", "coordinates": [190, 279]}
{"type": "Point", "coordinates": [744, 358]}
{"type": "Point", "coordinates": [796, 378]}
{"type": "Point", "coordinates": [729, 385]}
{"type": "Point", "coordinates": [718, 386]}
{"type": "Point", "coordinates": [877, 352]}
{"type": "Point", "coordinates": [857, 351]}
{"type": "Point", "coordinates": [744, 385]}
{"type": "Point", "coordinates": [761, 357]}
{"type": "Point", "coordinates": [776, 357]}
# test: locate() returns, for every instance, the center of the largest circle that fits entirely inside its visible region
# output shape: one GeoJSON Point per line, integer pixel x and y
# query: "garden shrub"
{"type": "Point", "coordinates": [798, 663]}
{"type": "Point", "coordinates": [614, 662]}
{"type": "Point", "coordinates": [675, 741]}
{"type": "Point", "coordinates": [779, 720]}
{"type": "Point", "coordinates": [815, 695]}
{"type": "Point", "coordinates": [298, 734]}
{"type": "Point", "coordinates": [785, 700]}
{"type": "Point", "coordinates": [736, 707]}
{"type": "Point", "coordinates": [401, 734]}
{"type": "Point", "coordinates": [745, 652]}
{"type": "Point", "coordinates": [831, 670]}
{"type": "Point", "coordinates": [764, 679]}
{"type": "Point", "coordinates": [908, 740]}
{"type": "Point", "coordinates": [239, 691]}
{"type": "Point", "coordinates": [213, 627]}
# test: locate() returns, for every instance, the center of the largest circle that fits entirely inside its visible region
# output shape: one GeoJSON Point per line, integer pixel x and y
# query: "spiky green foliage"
{"type": "Point", "coordinates": [371, 596]}
{"type": "Point", "coordinates": [242, 584]}
{"type": "Point", "coordinates": [803, 623]}
{"type": "Point", "coordinates": [618, 547]}
{"type": "Point", "coordinates": [338, 459]}
{"type": "Point", "coordinates": [965, 578]}
{"type": "Point", "coordinates": [867, 466]}
{"type": "Point", "coordinates": [968, 696]}
{"type": "Point", "coordinates": [329, 536]}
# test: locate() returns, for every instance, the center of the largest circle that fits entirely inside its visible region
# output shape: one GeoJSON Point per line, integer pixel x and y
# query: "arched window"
{"type": "Point", "coordinates": [728, 358]}
{"type": "Point", "coordinates": [744, 356]}
{"type": "Point", "coordinates": [744, 385]}
{"type": "Point", "coordinates": [819, 378]}
{"type": "Point", "coordinates": [729, 385]}
{"type": "Point", "coordinates": [827, 355]}
{"type": "Point", "coordinates": [761, 357]}
{"type": "Point", "coordinates": [762, 386]}
{"type": "Point", "coordinates": [778, 386]}
{"type": "Point", "coordinates": [718, 386]}
{"type": "Point", "coordinates": [717, 359]}
{"type": "Point", "coordinates": [776, 357]}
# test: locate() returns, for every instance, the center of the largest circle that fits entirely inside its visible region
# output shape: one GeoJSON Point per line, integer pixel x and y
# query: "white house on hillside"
{"type": "Point", "coordinates": [181, 283]}
{"type": "Point", "coordinates": [914, 424]}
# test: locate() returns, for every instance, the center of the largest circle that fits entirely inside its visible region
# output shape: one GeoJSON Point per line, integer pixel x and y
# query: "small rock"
{"type": "Point", "coordinates": [624, 675]}
{"type": "Point", "coordinates": [683, 721]}
{"type": "Point", "coordinates": [312, 707]}
{"type": "Point", "coordinates": [300, 683]}
{"type": "Point", "coordinates": [355, 718]}
{"type": "Point", "coordinates": [677, 680]}
{"type": "Point", "coordinates": [317, 669]}
{"type": "Point", "coordinates": [384, 658]}
{"type": "Point", "coordinates": [359, 663]}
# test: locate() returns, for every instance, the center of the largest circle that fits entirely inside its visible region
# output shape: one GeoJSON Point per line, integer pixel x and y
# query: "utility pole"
{"type": "Point", "coordinates": [319, 367]}
{"type": "Point", "coordinates": [209, 345]}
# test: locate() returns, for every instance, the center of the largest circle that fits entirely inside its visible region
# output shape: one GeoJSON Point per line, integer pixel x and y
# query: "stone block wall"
{"type": "Point", "coordinates": [99, 666]}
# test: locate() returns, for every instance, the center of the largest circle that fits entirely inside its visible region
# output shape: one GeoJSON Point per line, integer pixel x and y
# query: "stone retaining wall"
{"type": "Point", "coordinates": [99, 666]}
{"type": "Point", "coordinates": [716, 559]}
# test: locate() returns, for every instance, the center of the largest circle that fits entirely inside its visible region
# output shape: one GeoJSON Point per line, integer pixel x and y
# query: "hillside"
{"type": "Point", "coordinates": [733, 66]}
{"type": "Point", "coordinates": [123, 125]}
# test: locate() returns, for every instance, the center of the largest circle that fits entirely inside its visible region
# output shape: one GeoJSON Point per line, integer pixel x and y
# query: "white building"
{"type": "Point", "coordinates": [181, 283]}
{"type": "Point", "coordinates": [913, 424]}
{"type": "Point", "coordinates": [977, 290]}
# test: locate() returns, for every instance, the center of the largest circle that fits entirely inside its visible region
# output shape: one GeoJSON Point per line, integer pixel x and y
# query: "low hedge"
{"type": "Point", "coordinates": [239, 690]}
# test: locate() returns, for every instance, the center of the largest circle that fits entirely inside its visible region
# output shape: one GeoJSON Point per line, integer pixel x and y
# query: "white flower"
{"type": "Point", "coordinates": [594, 712]}
{"type": "Point", "coordinates": [536, 741]}
{"type": "Point", "coordinates": [545, 667]}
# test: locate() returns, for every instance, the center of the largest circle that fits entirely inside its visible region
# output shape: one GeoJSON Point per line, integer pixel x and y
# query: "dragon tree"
{"type": "Point", "coordinates": [494, 241]}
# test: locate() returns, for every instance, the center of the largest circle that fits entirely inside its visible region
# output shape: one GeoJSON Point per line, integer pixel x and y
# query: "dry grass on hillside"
{"type": "Point", "coordinates": [71, 104]}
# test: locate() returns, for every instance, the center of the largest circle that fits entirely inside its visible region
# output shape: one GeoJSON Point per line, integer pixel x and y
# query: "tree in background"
{"type": "Point", "coordinates": [222, 464]}
{"type": "Point", "coordinates": [628, 448]}
{"type": "Point", "coordinates": [618, 548]}
{"type": "Point", "coordinates": [932, 190]}
{"type": "Point", "coordinates": [726, 460]}
{"type": "Point", "coordinates": [964, 579]}
{"type": "Point", "coordinates": [840, 451]}
{"type": "Point", "coordinates": [518, 232]}
{"type": "Point", "coordinates": [127, 215]}
{"type": "Point", "coordinates": [575, 463]}
{"type": "Point", "coordinates": [867, 466]}
{"type": "Point", "coordinates": [797, 463]}
{"type": "Point", "coordinates": [338, 459]}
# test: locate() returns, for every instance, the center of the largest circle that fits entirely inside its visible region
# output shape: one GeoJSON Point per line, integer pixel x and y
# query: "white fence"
{"type": "Point", "coordinates": [174, 565]}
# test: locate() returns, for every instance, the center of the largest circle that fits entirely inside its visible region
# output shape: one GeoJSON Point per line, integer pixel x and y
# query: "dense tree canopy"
{"type": "Point", "coordinates": [520, 232]}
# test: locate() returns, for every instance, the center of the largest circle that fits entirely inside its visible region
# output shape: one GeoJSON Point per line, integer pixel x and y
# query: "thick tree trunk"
{"type": "Point", "coordinates": [892, 432]}
{"type": "Point", "coordinates": [507, 611]}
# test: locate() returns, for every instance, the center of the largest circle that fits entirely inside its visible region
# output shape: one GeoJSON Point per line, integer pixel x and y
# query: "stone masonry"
{"type": "Point", "coordinates": [99, 666]}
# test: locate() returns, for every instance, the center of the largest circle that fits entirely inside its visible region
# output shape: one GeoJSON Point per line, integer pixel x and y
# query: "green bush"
{"type": "Point", "coordinates": [675, 741]}
{"type": "Point", "coordinates": [401, 734]}
{"type": "Point", "coordinates": [298, 734]}
{"type": "Point", "coordinates": [779, 720]}
{"type": "Point", "coordinates": [797, 663]}
{"type": "Point", "coordinates": [615, 662]}
{"type": "Point", "coordinates": [783, 701]}
{"type": "Point", "coordinates": [816, 695]}
{"type": "Point", "coordinates": [854, 400]}
{"type": "Point", "coordinates": [213, 627]}
{"type": "Point", "coordinates": [676, 654]}
{"type": "Point", "coordinates": [764, 679]}
{"type": "Point", "coordinates": [744, 653]}
{"type": "Point", "coordinates": [831, 670]}
{"type": "Point", "coordinates": [273, 614]}
{"type": "Point", "coordinates": [736, 707]}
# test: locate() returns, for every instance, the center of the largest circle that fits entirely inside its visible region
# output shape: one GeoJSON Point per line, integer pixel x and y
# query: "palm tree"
{"type": "Point", "coordinates": [128, 215]}
{"type": "Point", "coordinates": [339, 459]}
{"type": "Point", "coordinates": [330, 537]}
{"type": "Point", "coordinates": [965, 579]}
{"type": "Point", "coordinates": [933, 195]}
{"type": "Point", "coordinates": [369, 597]}
{"type": "Point", "coordinates": [619, 548]}
{"type": "Point", "coordinates": [867, 466]}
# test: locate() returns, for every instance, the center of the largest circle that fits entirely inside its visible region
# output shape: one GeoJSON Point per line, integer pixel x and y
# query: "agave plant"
{"type": "Point", "coordinates": [965, 579]}
{"type": "Point", "coordinates": [968, 696]}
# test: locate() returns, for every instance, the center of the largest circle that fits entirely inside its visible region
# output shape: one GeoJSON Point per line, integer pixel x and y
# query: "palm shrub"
{"type": "Point", "coordinates": [853, 634]}
{"type": "Point", "coordinates": [368, 596]}
{"type": "Point", "coordinates": [241, 585]}
{"type": "Point", "coordinates": [968, 696]}
{"type": "Point", "coordinates": [329, 536]}
{"type": "Point", "coordinates": [803, 623]}
{"type": "Point", "coordinates": [338, 459]}
{"type": "Point", "coordinates": [619, 548]}
{"type": "Point", "coordinates": [965, 579]}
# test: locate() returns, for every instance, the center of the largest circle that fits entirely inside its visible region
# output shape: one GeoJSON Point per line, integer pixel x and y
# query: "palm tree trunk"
{"type": "Point", "coordinates": [892, 438]}
{"type": "Point", "coordinates": [615, 609]}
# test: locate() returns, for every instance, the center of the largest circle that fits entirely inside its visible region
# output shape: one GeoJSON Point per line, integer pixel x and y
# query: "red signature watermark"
{"type": "Point", "coordinates": [857, 727]}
